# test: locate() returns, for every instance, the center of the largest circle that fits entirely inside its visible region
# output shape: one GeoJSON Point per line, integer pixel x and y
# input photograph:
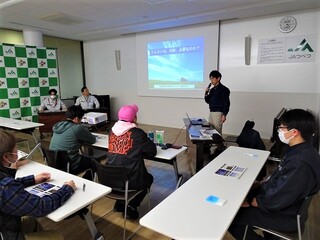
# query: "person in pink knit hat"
{"type": "Point", "coordinates": [128, 146]}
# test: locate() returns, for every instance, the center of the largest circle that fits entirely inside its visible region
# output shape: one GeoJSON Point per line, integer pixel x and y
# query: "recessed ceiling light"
{"type": "Point", "coordinates": [64, 19]}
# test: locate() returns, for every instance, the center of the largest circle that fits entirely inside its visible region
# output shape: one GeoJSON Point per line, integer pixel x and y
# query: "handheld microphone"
{"type": "Point", "coordinates": [208, 89]}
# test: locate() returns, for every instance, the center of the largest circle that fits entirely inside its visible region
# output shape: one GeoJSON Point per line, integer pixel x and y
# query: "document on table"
{"type": "Point", "coordinates": [43, 189]}
{"type": "Point", "coordinates": [208, 132]}
{"type": "Point", "coordinates": [231, 171]}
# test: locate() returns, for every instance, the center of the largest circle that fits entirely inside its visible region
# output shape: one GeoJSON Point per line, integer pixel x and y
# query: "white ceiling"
{"type": "Point", "coordinates": [95, 19]}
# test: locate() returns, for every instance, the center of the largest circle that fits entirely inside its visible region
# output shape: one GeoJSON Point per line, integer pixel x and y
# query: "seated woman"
{"type": "Point", "coordinates": [52, 103]}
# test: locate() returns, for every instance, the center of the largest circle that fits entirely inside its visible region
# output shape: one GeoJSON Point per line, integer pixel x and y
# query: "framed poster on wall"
{"type": "Point", "coordinates": [26, 75]}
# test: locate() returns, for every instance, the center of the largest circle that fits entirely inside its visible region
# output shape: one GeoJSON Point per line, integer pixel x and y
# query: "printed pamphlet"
{"type": "Point", "coordinates": [43, 189]}
{"type": "Point", "coordinates": [208, 132]}
{"type": "Point", "coordinates": [231, 171]}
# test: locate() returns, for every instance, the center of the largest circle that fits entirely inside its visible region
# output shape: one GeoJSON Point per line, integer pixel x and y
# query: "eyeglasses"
{"type": "Point", "coordinates": [282, 127]}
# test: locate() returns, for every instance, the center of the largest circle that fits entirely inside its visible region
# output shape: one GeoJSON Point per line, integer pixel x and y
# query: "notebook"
{"type": "Point", "coordinates": [195, 122]}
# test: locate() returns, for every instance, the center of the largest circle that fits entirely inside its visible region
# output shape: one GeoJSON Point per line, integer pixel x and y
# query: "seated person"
{"type": "Point", "coordinates": [52, 103]}
{"type": "Point", "coordinates": [250, 138]}
{"type": "Point", "coordinates": [273, 203]}
{"type": "Point", "coordinates": [69, 135]}
{"type": "Point", "coordinates": [128, 146]}
{"type": "Point", "coordinates": [16, 203]}
{"type": "Point", "coordinates": [87, 101]}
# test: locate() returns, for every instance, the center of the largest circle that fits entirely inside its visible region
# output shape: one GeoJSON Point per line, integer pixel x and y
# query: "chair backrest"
{"type": "Point", "coordinates": [302, 215]}
{"type": "Point", "coordinates": [58, 159]}
{"type": "Point", "coordinates": [111, 176]}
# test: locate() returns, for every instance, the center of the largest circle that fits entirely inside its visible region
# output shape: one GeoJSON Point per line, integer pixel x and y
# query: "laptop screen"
{"type": "Point", "coordinates": [194, 122]}
{"type": "Point", "coordinates": [188, 117]}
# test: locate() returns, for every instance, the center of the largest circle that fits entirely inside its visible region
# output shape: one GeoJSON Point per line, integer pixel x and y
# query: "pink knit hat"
{"type": "Point", "coordinates": [128, 112]}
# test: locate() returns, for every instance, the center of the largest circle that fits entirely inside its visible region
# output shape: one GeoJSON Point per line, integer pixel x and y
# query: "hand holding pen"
{"type": "Point", "coordinates": [71, 184]}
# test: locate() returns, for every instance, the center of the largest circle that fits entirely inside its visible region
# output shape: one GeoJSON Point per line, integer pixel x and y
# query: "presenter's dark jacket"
{"type": "Point", "coordinates": [128, 146]}
{"type": "Point", "coordinates": [297, 176]}
{"type": "Point", "coordinates": [218, 99]}
{"type": "Point", "coordinates": [16, 202]}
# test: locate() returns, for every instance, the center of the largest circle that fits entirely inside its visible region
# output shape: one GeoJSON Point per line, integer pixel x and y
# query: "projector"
{"type": "Point", "coordinates": [94, 117]}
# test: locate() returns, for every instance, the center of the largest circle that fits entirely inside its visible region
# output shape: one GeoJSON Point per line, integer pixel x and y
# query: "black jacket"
{"type": "Point", "coordinates": [297, 176]}
{"type": "Point", "coordinates": [250, 138]}
{"type": "Point", "coordinates": [218, 99]}
{"type": "Point", "coordinates": [129, 150]}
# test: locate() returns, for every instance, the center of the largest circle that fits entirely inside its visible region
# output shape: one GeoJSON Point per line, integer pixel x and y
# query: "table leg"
{"type": "Point", "coordinates": [199, 157]}
{"type": "Point", "coordinates": [179, 177]}
{"type": "Point", "coordinates": [179, 181]}
{"type": "Point", "coordinates": [92, 227]}
{"type": "Point", "coordinates": [172, 162]}
{"type": "Point", "coordinates": [175, 167]}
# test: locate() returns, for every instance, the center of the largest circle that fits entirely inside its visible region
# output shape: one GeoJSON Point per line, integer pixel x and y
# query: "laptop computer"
{"type": "Point", "coordinates": [195, 121]}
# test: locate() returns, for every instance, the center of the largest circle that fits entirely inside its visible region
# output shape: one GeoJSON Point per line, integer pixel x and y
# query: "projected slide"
{"type": "Point", "coordinates": [176, 64]}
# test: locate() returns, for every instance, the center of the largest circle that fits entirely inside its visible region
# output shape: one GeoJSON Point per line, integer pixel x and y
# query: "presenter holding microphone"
{"type": "Point", "coordinates": [208, 89]}
{"type": "Point", "coordinates": [217, 96]}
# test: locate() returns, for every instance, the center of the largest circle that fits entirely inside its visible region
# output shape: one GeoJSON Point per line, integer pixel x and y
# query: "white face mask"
{"type": "Point", "coordinates": [11, 163]}
{"type": "Point", "coordinates": [282, 137]}
{"type": "Point", "coordinates": [52, 96]}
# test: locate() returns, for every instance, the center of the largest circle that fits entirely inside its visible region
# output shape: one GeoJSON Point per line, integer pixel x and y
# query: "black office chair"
{"type": "Point", "coordinates": [250, 138]}
{"type": "Point", "coordinates": [302, 217]}
{"type": "Point", "coordinates": [116, 177]}
{"type": "Point", "coordinates": [58, 159]}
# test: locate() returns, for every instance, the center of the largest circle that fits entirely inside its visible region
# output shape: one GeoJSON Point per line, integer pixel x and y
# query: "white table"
{"type": "Point", "coordinates": [102, 141]}
{"type": "Point", "coordinates": [79, 200]}
{"type": "Point", "coordinates": [200, 140]}
{"type": "Point", "coordinates": [22, 126]}
{"type": "Point", "coordinates": [168, 156]}
{"type": "Point", "coordinates": [186, 214]}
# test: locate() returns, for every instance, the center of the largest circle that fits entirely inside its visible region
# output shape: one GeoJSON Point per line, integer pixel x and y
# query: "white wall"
{"type": "Point", "coordinates": [269, 86]}
{"type": "Point", "coordinates": [70, 65]}
{"type": "Point", "coordinates": [258, 92]}
{"type": "Point", "coordinates": [103, 78]}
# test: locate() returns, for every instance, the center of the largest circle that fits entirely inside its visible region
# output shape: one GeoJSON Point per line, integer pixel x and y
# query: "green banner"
{"type": "Point", "coordinates": [26, 75]}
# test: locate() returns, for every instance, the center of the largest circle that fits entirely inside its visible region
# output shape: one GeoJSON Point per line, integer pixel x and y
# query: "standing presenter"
{"type": "Point", "coordinates": [217, 96]}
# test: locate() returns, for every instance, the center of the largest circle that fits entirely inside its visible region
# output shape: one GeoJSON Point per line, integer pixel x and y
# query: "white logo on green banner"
{"type": "Point", "coordinates": [26, 75]}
